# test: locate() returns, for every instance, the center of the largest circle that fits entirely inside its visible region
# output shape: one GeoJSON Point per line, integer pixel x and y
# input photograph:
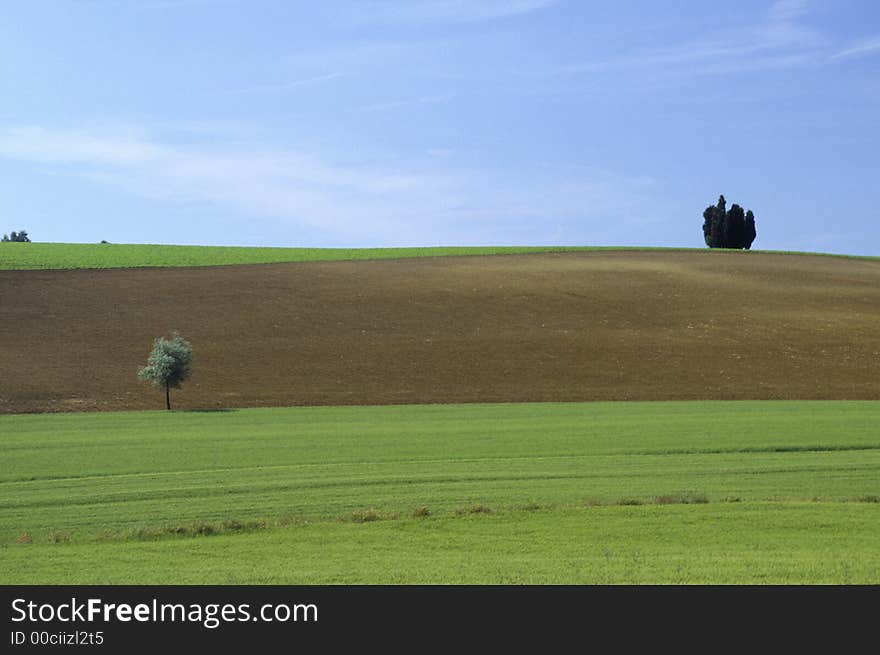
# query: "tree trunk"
{"type": "Point", "coordinates": [167, 397]}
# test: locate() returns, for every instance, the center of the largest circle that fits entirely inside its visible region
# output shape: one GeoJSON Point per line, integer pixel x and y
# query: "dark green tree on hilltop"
{"type": "Point", "coordinates": [735, 227]}
{"type": "Point", "coordinates": [723, 228]}
{"type": "Point", "coordinates": [750, 232]}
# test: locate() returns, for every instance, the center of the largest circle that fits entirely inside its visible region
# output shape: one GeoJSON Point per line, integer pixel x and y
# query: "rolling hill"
{"type": "Point", "coordinates": [575, 326]}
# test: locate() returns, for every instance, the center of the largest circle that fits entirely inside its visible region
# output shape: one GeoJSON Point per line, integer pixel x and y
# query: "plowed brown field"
{"type": "Point", "coordinates": [549, 327]}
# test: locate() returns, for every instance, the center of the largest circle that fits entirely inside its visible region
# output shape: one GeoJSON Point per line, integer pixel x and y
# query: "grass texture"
{"type": "Point", "coordinates": [31, 256]}
{"type": "Point", "coordinates": [65, 256]}
{"type": "Point", "coordinates": [698, 492]}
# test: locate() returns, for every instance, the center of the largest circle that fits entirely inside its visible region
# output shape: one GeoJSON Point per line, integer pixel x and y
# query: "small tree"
{"type": "Point", "coordinates": [716, 235]}
{"type": "Point", "coordinates": [168, 365]}
{"type": "Point", "coordinates": [750, 232]}
{"type": "Point", "coordinates": [708, 218]}
{"type": "Point", "coordinates": [735, 227]}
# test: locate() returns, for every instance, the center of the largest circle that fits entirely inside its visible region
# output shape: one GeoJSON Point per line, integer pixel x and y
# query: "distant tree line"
{"type": "Point", "coordinates": [21, 237]}
{"type": "Point", "coordinates": [728, 228]}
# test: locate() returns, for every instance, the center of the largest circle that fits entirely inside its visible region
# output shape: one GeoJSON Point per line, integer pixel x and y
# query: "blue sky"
{"type": "Point", "coordinates": [439, 122]}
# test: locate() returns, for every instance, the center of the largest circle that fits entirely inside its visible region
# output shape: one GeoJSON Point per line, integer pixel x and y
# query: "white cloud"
{"type": "Point", "coordinates": [775, 42]}
{"type": "Point", "coordinates": [418, 202]}
{"type": "Point", "coordinates": [35, 143]}
{"type": "Point", "coordinates": [861, 49]}
{"type": "Point", "coordinates": [455, 11]}
{"type": "Point", "coordinates": [156, 4]}
{"type": "Point", "coordinates": [410, 102]}
{"type": "Point", "coordinates": [281, 87]}
{"type": "Point", "coordinates": [787, 10]}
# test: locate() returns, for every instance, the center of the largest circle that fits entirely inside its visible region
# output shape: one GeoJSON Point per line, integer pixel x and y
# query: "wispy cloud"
{"type": "Point", "coordinates": [33, 143]}
{"type": "Point", "coordinates": [453, 11]}
{"type": "Point", "coordinates": [410, 203]}
{"type": "Point", "coordinates": [777, 41]}
{"type": "Point", "coordinates": [409, 102]}
{"type": "Point", "coordinates": [860, 49]}
{"type": "Point", "coordinates": [265, 182]}
{"type": "Point", "coordinates": [281, 87]}
{"type": "Point", "coordinates": [787, 10]}
{"type": "Point", "coordinates": [157, 4]}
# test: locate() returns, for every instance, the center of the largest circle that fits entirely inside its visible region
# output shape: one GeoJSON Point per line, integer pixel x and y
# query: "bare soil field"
{"type": "Point", "coordinates": [538, 327]}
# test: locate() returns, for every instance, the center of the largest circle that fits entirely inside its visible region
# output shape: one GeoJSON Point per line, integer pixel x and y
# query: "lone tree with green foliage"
{"type": "Point", "coordinates": [168, 365]}
{"type": "Point", "coordinates": [728, 228]}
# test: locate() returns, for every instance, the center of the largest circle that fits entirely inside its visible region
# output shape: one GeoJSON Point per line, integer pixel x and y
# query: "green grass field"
{"type": "Point", "coordinates": [30, 256]}
{"type": "Point", "coordinates": [723, 492]}
{"type": "Point", "coordinates": [54, 256]}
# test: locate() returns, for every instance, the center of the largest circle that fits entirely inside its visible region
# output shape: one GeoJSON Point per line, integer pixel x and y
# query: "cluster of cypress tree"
{"type": "Point", "coordinates": [728, 228]}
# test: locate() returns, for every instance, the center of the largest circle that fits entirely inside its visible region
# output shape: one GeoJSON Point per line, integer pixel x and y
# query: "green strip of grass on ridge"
{"type": "Point", "coordinates": [30, 256]}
